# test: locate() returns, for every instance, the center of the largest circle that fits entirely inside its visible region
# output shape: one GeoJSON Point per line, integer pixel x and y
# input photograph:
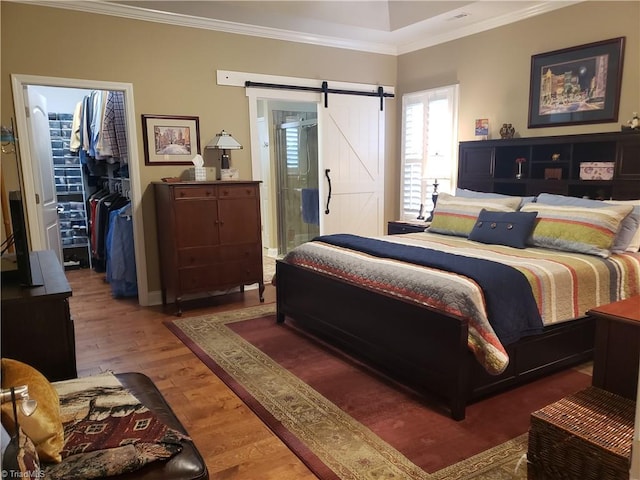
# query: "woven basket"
{"type": "Point", "coordinates": [585, 436]}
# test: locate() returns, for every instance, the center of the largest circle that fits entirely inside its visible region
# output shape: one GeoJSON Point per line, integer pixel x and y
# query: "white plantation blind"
{"type": "Point", "coordinates": [292, 147]}
{"type": "Point", "coordinates": [429, 147]}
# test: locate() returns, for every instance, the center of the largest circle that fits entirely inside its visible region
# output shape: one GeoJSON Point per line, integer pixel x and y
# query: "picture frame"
{"type": "Point", "coordinates": [482, 127]}
{"type": "Point", "coordinates": [170, 139]}
{"type": "Point", "coordinates": [576, 85]}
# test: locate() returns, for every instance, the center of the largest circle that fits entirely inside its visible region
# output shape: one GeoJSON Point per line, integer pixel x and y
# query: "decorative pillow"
{"type": "Point", "coordinates": [465, 193]}
{"type": "Point", "coordinates": [627, 238]}
{"type": "Point", "coordinates": [577, 229]}
{"type": "Point", "coordinates": [44, 426]}
{"type": "Point", "coordinates": [457, 216]}
{"type": "Point", "coordinates": [512, 229]}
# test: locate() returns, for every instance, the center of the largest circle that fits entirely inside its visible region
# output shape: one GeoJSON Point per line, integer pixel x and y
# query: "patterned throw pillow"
{"type": "Point", "coordinates": [457, 216]}
{"type": "Point", "coordinates": [628, 237]}
{"type": "Point", "coordinates": [577, 229]}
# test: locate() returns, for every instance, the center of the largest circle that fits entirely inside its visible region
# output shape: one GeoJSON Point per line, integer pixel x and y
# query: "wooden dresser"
{"type": "Point", "coordinates": [209, 237]}
{"type": "Point", "coordinates": [37, 327]}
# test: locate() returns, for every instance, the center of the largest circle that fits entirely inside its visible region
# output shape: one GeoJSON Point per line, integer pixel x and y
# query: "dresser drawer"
{"type": "Point", "coordinates": [219, 276]}
{"type": "Point", "coordinates": [192, 257]}
{"type": "Point", "coordinates": [249, 251]}
{"type": "Point", "coordinates": [197, 256]}
{"type": "Point", "coordinates": [241, 272]}
{"type": "Point", "coordinates": [198, 279]}
{"type": "Point", "coordinates": [204, 191]}
{"type": "Point", "coordinates": [232, 191]}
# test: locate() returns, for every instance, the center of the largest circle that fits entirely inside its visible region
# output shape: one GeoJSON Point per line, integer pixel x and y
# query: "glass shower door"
{"type": "Point", "coordinates": [297, 179]}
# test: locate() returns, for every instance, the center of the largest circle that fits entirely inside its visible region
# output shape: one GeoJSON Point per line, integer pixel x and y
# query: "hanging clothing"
{"type": "Point", "coordinates": [120, 254]}
{"type": "Point", "coordinates": [114, 131]}
{"type": "Point", "coordinates": [74, 143]}
{"type": "Point", "coordinates": [102, 134]}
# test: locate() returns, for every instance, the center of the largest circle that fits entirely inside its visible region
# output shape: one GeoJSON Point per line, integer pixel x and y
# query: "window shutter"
{"type": "Point", "coordinates": [429, 153]}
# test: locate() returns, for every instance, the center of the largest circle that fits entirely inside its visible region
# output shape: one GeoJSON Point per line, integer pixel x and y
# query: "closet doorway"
{"type": "Point", "coordinates": [30, 171]}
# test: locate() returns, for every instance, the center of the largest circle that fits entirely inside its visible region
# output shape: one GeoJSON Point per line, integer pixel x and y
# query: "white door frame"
{"type": "Point", "coordinates": [19, 82]}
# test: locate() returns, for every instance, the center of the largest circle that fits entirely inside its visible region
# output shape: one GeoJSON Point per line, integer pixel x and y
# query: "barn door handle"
{"type": "Point", "coordinates": [326, 174]}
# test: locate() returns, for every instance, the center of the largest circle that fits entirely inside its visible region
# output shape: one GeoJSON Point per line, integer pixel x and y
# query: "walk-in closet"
{"type": "Point", "coordinates": [87, 138]}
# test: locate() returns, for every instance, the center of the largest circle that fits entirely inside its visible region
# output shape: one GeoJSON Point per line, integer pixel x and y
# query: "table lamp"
{"type": "Point", "coordinates": [225, 142]}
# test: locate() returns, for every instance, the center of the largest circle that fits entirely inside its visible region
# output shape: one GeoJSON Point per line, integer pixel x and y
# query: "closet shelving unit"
{"type": "Point", "coordinates": [70, 189]}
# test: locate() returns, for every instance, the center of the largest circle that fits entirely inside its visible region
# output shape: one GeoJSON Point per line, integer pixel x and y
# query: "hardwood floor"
{"type": "Point", "coordinates": [119, 335]}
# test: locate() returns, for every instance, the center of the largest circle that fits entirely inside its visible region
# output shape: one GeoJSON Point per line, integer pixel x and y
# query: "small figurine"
{"type": "Point", "coordinates": [633, 124]}
{"type": "Point", "coordinates": [507, 130]}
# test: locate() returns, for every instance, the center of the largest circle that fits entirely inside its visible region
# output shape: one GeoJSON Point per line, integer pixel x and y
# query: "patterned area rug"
{"type": "Point", "coordinates": [328, 440]}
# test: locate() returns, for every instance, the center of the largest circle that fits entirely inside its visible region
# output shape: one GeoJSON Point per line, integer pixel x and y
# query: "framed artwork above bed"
{"type": "Point", "coordinates": [576, 85]}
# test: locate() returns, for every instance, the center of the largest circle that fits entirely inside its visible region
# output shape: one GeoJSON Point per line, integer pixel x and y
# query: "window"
{"type": "Point", "coordinates": [429, 148]}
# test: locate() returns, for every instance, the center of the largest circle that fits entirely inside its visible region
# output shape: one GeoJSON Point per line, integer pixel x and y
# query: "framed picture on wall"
{"type": "Point", "coordinates": [170, 140]}
{"type": "Point", "coordinates": [576, 85]}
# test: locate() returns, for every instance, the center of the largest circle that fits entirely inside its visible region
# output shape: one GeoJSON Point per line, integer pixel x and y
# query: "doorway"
{"type": "Point", "coordinates": [30, 171]}
{"type": "Point", "coordinates": [296, 162]}
{"type": "Point", "coordinates": [289, 166]}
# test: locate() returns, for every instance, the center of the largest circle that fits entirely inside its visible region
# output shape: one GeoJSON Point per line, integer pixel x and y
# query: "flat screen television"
{"type": "Point", "coordinates": [29, 273]}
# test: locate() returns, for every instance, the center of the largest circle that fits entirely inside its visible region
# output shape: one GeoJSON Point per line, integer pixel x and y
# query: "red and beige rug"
{"type": "Point", "coordinates": [346, 422]}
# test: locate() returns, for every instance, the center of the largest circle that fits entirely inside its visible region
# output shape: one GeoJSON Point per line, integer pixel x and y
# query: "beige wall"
{"type": "Point", "coordinates": [173, 72]}
{"type": "Point", "coordinates": [493, 67]}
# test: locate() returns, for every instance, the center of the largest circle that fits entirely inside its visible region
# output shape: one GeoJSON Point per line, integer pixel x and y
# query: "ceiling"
{"type": "Point", "coordinates": [390, 27]}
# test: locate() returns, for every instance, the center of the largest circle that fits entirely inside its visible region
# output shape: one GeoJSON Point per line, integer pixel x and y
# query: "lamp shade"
{"type": "Point", "coordinates": [224, 141]}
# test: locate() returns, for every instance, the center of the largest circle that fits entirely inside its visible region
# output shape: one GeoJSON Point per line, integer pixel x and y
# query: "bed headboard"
{"type": "Point", "coordinates": [598, 166]}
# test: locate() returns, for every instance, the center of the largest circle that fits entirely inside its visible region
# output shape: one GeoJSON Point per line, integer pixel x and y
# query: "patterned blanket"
{"type": "Point", "coordinates": [564, 285]}
{"type": "Point", "coordinates": [107, 430]}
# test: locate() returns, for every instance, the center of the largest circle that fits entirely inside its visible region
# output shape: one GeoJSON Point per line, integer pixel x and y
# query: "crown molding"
{"type": "Point", "coordinates": [390, 48]}
{"type": "Point", "coordinates": [136, 13]}
{"type": "Point", "coordinates": [485, 25]}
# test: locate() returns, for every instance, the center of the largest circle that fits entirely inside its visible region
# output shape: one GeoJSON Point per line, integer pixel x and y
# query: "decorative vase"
{"type": "Point", "coordinates": [507, 130]}
{"type": "Point", "coordinates": [519, 174]}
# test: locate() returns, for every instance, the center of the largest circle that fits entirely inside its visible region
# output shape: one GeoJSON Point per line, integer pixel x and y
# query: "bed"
{"type": "Point", "coordinates": [392, 302]}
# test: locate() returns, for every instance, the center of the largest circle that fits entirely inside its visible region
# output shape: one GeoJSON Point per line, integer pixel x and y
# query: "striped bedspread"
{"type": "Point", "coordinates": [564, 285]}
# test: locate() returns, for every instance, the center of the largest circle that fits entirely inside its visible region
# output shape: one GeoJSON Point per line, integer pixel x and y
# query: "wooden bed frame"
{"type": "Point", "coordinates": [418, 346]}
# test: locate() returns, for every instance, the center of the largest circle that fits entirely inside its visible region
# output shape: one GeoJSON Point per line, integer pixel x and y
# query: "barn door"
{"type": "Point", "coordinates": [351, 165]}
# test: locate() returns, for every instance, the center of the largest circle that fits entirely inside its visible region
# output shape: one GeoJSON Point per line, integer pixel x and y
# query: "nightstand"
{"type": "Point", "coordinates": [397, 226]}
{"type": "Point", "coordinates": [617, 348]}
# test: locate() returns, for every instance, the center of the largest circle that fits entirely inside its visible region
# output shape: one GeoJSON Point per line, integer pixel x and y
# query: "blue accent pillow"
{"type": "Point", "coordinates": [512, 229]}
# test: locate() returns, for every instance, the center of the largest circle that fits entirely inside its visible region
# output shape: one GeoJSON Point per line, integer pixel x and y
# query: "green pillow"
{"type": "Point", "coordinates": [577, 229]}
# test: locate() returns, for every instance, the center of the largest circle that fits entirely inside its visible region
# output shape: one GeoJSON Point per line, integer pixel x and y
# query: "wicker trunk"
{"type": "Point", "coordinates": [585, 436]}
